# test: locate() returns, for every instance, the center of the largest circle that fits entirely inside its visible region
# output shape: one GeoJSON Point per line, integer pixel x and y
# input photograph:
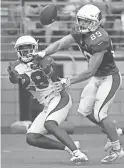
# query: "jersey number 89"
{"type": "Point", "coordinates": [95, 35]}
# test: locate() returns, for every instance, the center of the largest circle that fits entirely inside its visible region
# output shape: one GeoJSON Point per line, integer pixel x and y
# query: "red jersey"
{"type": "Point", "coordinates": [94, 42]}
{"type": "Point", "coordinates": [39, 81]}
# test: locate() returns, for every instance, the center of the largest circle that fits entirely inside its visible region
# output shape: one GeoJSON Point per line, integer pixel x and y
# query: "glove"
{"type": "Point", "coordinates": [65, 82]}
{"type": "Point", "coordinates": [58, 86]}
{"type": "Point", "coordinates": [11, 69]}
{"type": "Point", "coordinates": [12, 73]}
{"type": "Point", "coordinates": [40, 54]}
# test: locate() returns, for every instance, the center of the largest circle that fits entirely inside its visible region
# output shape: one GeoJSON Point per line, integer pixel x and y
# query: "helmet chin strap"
{"type": "Point", "coordinates": [85, 31]}
{"type": "Point", "coordinates": [25, 60]}
{"type": "Point", "coordinates": [90, 28]}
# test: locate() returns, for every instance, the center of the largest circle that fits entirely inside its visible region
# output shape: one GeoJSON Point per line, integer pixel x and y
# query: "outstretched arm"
{"type": "Point", "coordinates": [63, 43]}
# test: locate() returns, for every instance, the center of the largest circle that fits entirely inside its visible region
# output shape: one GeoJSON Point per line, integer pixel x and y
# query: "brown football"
{"type": "Point", "coordinates": [48, 14]}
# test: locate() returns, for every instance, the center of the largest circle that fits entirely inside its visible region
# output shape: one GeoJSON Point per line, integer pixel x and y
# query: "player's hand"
{"type": "Point", "coordinates": [58, 86]}
{"type": "Point", "coordinates": [62, 84]}
{"type": "Point", "coordinates": [10, 67]}
{"type": "Point", "coordinates": [12, 72]}
{"type": "Point", "coordinates": [65, 82]}
{"type": "Point", "coordinates": [40, 54]}
{"type": "Point", "coordinates": [34, 54]}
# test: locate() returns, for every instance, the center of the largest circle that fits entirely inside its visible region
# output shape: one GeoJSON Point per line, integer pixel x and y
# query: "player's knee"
{"type": "Point", "coordinates": [50, 125]}
{"type": "Point", "coordinates": [31, 139]}
{"type": "Point", "coordinates": [86, 105]}
{"type": "Point", "coordinates": [100, 116]}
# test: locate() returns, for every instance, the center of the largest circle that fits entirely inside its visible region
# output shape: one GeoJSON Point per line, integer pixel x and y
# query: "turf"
{"type": "Point", "coordinates": [15, 153]}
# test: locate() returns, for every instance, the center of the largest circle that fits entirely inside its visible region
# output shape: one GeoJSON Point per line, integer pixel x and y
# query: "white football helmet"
{"type": "Point", "coordinates": [91, 15]}
{"type": "Point", "coordinates": [25, 45]}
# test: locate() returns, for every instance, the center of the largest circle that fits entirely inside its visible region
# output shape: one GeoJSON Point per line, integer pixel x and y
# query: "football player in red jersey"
{"type": "Point", "coordinates": [37, 75]}
{"type": "Point", "coordinates": [95, 44]}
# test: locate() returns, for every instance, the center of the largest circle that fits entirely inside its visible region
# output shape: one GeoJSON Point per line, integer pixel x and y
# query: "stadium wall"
{"type": "Point", "coordinates": [10, 109]}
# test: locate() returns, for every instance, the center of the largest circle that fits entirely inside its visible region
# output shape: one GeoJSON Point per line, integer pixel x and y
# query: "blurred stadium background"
{"type": "Point", "coordinates": [19, 17]}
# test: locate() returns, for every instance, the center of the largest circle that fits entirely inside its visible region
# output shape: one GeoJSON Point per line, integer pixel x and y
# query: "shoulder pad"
{"type": "Point", "coordinates": [15, 63]}
{"type": "Point", "coordinates": [100, 40]}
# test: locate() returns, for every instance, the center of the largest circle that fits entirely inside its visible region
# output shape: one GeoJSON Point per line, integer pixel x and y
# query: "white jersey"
{"type": "Point", "coordinates": [34, 80]}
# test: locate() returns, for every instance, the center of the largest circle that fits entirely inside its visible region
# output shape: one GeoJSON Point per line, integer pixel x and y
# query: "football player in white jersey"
{"type": "Point", "coordinates": [95, 44]}
{"type": "Point", "coordinates": [37, 76]}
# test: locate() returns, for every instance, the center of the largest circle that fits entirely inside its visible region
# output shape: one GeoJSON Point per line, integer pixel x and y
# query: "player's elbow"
{"type": "Point", "coordinates": [92, 72]}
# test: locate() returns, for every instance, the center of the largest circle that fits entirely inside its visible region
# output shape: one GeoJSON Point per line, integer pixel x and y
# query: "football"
{"type": "Point", "coordinates": [48, 14]}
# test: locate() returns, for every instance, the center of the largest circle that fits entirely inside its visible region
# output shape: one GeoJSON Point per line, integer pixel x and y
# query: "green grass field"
{"type": "Point", "coordinates": [17, 154]}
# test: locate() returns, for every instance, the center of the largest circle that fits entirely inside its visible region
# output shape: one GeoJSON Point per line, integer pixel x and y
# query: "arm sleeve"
{"type": "Point", "coordinates": [14, 80]}
{"type": "Point", "coordinates": [14, 77]}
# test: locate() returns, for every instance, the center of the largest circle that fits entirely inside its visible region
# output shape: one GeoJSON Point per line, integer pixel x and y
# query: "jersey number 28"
{"type": "Point", "coordinates": [40, 81]}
